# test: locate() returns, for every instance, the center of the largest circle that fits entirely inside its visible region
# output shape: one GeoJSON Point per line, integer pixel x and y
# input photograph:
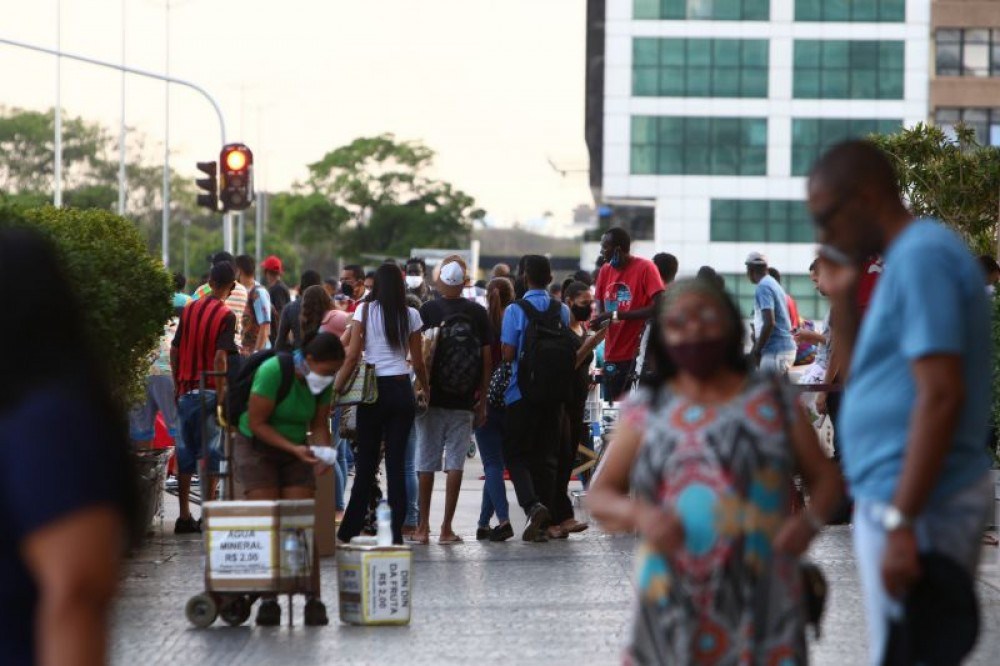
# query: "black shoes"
{"type": "Point", "coordinates": [484, 534]}
{"type": "Point", "coordinates": [315, 614]}
{"type": "Point", "coordinates": [501, 533]}
{"type": "Point", "coordinates": [269, 613]}
{"type": "Point", "coordinates": [538, 520]}
{"type": "Point", "coordinates": [187, 526]}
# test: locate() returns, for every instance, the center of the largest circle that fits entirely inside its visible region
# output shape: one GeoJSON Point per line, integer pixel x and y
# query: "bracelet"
{"type": "Point", "coordinates": [815, 523]}
{"type": "Point", "coordinates": [614, 316]}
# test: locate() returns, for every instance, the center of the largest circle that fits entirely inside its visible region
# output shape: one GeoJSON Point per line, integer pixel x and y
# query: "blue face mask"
{"type": "Point", "coordinates": [616, 260]}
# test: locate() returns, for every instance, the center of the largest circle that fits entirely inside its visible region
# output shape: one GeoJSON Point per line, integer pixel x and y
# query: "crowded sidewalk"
{"type": "Point", "coordinates": [568, 602]}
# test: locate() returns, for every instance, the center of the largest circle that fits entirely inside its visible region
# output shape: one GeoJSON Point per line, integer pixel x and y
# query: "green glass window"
{"type": "Point", "coordinates": [840, 69]}
{"type": "Point", "coordinates": [872, 11]}
{"type": "Point", "coordinates": [699, 67]}
{"type": "Point", "coordinates": [693, 146]}
{"type": "Point", "coordinates": [811, 305]}
{"type": "Point", "coordinates": [707, 10]}
{"type": "Point", "coordinates": [761, 221]}
{"type": "Point", "coordinates": [811, 136]}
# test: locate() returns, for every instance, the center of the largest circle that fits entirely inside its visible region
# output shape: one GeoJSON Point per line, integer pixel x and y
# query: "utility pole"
{"type": "Point", "coordinates": [121, 129]}
{"type": "Point", "coordinates": [165, 240]}
{"type": "Point", "coordinates": [57, 192]}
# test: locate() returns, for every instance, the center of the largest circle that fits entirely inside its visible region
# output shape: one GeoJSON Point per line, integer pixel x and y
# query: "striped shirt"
{"type": "Point", "coordinates": [237, 303]}
{"type": "Point", "coordinates": [207, 326]}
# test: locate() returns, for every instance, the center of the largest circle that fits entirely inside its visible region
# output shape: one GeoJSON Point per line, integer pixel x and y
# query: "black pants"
{"type": "Point", "coordinates": [571, 434]}
{"type": "Point", "coordinates": [617, 378]}
{"type": "Point", "coordinates": [833, 412]}
{"type": "Point", "coordinates": [530, 450]}
{"type": "Point", "coordinates": [389, 420]}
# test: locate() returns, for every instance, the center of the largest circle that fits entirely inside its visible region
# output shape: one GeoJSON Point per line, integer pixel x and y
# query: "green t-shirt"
{"type": "Point", "coordinates": [293, 415]}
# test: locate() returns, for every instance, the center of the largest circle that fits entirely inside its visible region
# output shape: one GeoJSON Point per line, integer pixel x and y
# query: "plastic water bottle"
{"type": "Point", "coordinates": [383, 514]}
{"type": "Point", "coordinates": [295, 556]}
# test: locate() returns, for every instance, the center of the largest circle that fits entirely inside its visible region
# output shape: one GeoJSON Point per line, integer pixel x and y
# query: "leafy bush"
{"type": "Point", "coordinates": [125, 292]}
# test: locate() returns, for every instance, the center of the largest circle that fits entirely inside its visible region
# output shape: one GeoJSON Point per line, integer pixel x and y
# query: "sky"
{"type": "Point", "coordinates": [495, 87]}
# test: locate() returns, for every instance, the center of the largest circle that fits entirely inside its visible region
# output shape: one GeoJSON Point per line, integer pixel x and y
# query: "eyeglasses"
{"type": "Point", "coordinates": [678, 321]}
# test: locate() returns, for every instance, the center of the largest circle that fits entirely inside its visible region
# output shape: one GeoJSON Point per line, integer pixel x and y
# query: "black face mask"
{"type": "Point", "coordinates": [347, 289]}
{"type": "Point", "coordinates": [581, 312]}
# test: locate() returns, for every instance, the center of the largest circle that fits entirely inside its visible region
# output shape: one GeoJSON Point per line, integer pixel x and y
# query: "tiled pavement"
{"type": "Point", "coordinates": [563, 602]}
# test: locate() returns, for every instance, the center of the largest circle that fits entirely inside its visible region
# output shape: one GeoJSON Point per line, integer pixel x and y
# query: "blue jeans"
{"type": "Point", "coordinates": [490, 440]}
{"type": "Point", "coordinates": [341, 470]}
{"type": "Point", "coordinates": [953, 529]}
{"type": "Point", "coordinates": [412, 489]}
{"type": "Point", "coordinates": [189, 445]}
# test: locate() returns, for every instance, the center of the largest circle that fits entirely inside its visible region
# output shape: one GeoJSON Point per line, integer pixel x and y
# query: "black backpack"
{"type": "Point", "coordinates": [458, 356]}
{"type": "Point", "coordinates": [547, 363]}
{"type": "Point", "coordinates": [240, 384]}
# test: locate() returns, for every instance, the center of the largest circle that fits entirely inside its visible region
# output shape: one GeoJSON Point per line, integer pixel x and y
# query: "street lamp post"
{"type": "Point", "coordinates": [57, 172]}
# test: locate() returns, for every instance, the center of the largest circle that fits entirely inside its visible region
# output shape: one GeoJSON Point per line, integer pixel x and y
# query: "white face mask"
{"type": "Point", "coordinates": [317, 383]}
{"type": "Point", "coordinates": [414, 281]}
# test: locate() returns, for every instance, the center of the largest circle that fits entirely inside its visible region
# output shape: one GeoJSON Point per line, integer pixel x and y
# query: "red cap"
{"type": "Point", "coordinates": [272, 264]}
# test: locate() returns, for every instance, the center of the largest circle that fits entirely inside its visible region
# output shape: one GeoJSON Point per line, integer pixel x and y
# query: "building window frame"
{"type": "Point", "coordinates": [851, 11]}
{"type": "Point", "coordinates": [784, 221]}
{"type": "Point", "coordinates": [967, 52]}
{"type": "Point", "coordinates": [842, 69]}
{"type": "Point", "coordinates": [984, 121]}
{"type": "Point", "coordinates": [701, 10]}
{"type": "Point", "coordinates": [700, 67]}
{"type": "Point", "coordinates": [830, 131]}
{"type": "Point", "coordinates": [698, 146]}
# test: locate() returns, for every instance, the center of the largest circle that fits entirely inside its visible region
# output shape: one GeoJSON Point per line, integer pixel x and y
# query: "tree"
{"type": "Point", "coordinates": [954, 180]}
{"type": "Point", "coordinates": [379, 193]}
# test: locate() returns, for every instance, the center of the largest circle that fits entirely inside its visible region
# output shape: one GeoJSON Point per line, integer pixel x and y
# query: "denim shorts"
{"type": "Point", "coordinates": [443, 433]}
{"type": "Point", "coordinates": [189, 444]}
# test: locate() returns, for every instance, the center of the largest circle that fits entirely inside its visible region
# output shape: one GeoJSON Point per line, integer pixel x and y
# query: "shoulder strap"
{"type": "Point", "coordinates": [530, 311]}
{"type": "Point", "coordinates": [287, 366]}
{"type": "Point", "coordinates": [364, 320]}
{"type": "Point", "coordinates": [555, 309]}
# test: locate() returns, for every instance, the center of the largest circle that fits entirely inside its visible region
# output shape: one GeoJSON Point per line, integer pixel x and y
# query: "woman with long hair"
{"type": "Point", "coordinates": [387, 331]}
{"type": "Point", "coordinates": [577, 296]}
{"type": "Point", "coordinates": [489, 437]}
{"type": "Point", "coordinates": [701, 465]}
{"type": "Point", "coordinates": [316, 305]}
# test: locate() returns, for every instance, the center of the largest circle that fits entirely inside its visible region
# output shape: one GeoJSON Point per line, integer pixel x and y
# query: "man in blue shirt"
{"type": "Point", "coordinates": [915, 413]}
{"type": "Point", "coordinates": [532, 438]}
{"type": "Point", "coordinates": [774, 348]}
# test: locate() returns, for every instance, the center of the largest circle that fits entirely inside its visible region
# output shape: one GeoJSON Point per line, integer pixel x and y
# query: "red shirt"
{"type": "Point", "coordinates": [207, 326]}
{"type": "Point", "coordinates": [870, 274]}
{"type": "Point", "coordinates": [631, 288]}
{"type": "Point", "coordinates": [793, 311]}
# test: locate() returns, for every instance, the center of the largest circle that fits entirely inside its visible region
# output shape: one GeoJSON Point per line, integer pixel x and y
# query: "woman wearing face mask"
{"type": "Point", "coordinates": [271, 452]}
{"type": "Point", "coordinates": [581, 306]}
{"type": "Point", "coordinates": [701, 466]}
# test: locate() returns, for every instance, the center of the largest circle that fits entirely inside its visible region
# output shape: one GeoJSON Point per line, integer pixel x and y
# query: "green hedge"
{"type": "Point", "coordinates": [125, 292]}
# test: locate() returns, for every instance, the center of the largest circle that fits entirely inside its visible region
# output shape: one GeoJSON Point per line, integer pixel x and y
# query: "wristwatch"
{"type": "Point", "coordinates": [893, 519]}
{"type": "Point", "coordinates": [614, 316]}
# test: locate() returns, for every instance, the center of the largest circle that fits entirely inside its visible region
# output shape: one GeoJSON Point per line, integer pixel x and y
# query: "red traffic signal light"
{"type": "Point", "coordinates": [236, 183]}
{"type": "Point", "coordinates": [208, 197]}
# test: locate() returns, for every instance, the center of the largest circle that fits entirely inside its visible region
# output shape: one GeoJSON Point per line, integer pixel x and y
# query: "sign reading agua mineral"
{"type": "Point", "coordinates": [240, 553]}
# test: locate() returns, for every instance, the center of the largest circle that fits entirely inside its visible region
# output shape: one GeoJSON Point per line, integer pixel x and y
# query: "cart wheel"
{"type": "Point", "coordinates": [236, 611]}
{"type": "Point", "coordinates": [201, 610]}
{"type": "Point", "coordinates": [315, 614]}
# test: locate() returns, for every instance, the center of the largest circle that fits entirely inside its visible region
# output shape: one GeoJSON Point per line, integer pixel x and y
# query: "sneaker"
{"type": "Point", "coordinates": [538, 520]}
{"type": "Point", "coordinates": [484, 534]}
{"type": "Point", "coordinates": [502, 532]}
{"type": "Point", "coordinates": [187, 526]}
{"type": "Point", "coordinates": [269, 613]}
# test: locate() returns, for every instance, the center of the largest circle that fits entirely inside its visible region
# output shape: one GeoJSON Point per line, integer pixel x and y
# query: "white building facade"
{"type": "Point", "coordinates": [714, 111]}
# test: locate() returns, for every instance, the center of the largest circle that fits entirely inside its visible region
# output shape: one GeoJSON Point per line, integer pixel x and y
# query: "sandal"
{"type": "Point", "coordinates": [448, 541]}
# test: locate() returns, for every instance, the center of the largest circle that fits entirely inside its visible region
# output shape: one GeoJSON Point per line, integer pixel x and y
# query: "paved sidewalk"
{"type": "Point", "coordinates": [565, 602]}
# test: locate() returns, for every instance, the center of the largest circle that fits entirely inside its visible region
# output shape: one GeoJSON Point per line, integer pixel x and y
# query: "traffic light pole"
{"type": "Point", "coordinates": [227, 223]}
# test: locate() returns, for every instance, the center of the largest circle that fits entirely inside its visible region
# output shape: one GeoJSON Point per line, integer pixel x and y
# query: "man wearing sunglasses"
{"type": "Point", "coordinates": [915, 413]}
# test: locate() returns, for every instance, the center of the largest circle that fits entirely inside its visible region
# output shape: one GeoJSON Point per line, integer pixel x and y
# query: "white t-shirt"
{"type": "Point", "coordinates": [388, 361]}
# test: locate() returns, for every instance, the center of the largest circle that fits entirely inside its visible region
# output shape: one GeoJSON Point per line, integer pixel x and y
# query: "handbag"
{"type": "Point", "coordinates": [362, 387]}
{"type": "Point", "coordinates": [499, 382]}
{"type": "Point", "coordinates": [815, 589]}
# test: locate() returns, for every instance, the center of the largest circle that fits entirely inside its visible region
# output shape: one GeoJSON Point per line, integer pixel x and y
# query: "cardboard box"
{"type": "Point", "coordinates": [243, 546]}
{"type": "Point", "coordinates": [326, 516]}
{"type": "Point", "coordinates": [375, 584]}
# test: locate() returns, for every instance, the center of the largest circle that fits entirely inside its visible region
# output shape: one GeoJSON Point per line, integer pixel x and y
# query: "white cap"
{"type": "Point", "coordinates": [756, 259]}
{"type": "Point", "coordinates": [452, 274]}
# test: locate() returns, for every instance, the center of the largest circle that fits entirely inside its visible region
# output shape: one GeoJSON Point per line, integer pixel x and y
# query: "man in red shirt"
{"type": "Point", "coordinates": [627, 288]}
{"type": "Point", "coordinates": [352, 285]}
{"type": "Point", "coordinates": [204, 339]}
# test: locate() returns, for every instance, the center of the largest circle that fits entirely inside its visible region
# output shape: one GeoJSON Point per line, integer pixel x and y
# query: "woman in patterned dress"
{"type": "Point", "coordinates": [701, 467]}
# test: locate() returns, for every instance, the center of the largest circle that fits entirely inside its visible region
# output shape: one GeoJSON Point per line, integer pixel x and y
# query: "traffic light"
{"type": "Point", "coordinates": [209, 197]}
{"type": "Point", "coordinates": [236, 186]}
